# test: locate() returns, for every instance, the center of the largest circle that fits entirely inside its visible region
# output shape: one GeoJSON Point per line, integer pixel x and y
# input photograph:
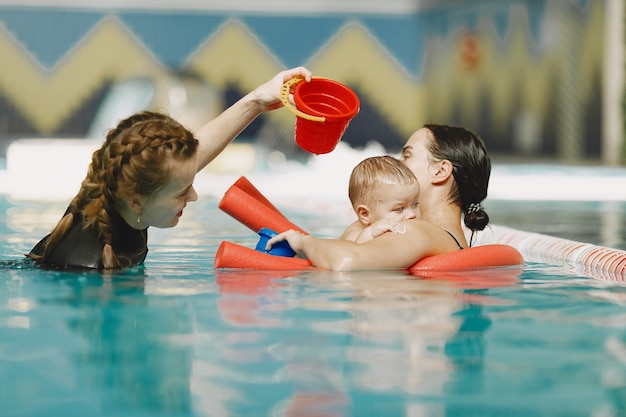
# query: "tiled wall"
{"type": "Point", "coordinates": [497, 67]}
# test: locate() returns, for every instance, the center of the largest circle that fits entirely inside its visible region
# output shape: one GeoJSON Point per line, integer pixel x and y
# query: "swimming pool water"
{"type": "Point", "coordinates": [177, 338]}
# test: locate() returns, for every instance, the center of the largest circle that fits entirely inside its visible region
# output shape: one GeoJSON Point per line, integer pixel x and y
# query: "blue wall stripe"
{"type": "Point", "coordinates": [48, 34]}
{"type": "Point", "coordinates": [172, 37]}
{"type": "Point", "coordinates": [294, 39]}
{"type": "Point", "coordinates": [402, 37]}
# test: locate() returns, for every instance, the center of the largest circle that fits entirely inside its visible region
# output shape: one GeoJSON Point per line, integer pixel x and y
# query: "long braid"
{"type": "Point", "coordinates": [130, 163]}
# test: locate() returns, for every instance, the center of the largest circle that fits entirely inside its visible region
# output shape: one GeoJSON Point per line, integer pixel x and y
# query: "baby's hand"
{"type": "Point", "coordinates": [396, 227]}
{"type": "Point", "coordinates": [384, 225]}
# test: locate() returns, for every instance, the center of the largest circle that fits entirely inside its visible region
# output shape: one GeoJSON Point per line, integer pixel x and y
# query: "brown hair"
{"type": "Point", "coordinates": [375, 171]}
{"type": "Point", "coordinates": [131, 162]}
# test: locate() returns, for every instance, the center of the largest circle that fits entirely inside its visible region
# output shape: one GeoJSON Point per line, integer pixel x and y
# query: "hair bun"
{"type": "Point", "coordinates": [475, 218]}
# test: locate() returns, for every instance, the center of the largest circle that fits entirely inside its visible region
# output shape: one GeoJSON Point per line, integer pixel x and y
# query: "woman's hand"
{"type": "Point", "coordinates": [292, 237]}
{"type": "Point", "coordinates": [267, 95]}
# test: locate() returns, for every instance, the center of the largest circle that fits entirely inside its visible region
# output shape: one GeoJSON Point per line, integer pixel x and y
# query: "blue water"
{"type": "Point", "coordinates": [177, 338]}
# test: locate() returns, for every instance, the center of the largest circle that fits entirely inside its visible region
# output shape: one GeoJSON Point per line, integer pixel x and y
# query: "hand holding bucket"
{"type": "Point", "coordinates": [323, 110]}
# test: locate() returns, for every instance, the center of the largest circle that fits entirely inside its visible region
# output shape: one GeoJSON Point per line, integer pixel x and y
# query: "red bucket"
{"type": "Point", "coordinates": [324, 108]}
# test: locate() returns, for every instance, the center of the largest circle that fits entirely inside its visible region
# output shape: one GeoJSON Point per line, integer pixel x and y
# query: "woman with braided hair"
{"type": "Point", "coordinates": [453, 168]}
{"type": "Point", "coordinates": [143, 176]}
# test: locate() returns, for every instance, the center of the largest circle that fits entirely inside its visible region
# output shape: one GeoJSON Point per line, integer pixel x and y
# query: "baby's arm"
{"type": "Point", "coordinates": [359, 234]}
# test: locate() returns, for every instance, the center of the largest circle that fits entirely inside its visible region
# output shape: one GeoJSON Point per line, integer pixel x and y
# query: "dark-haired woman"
{"type": "Point", "coordinates": [143, 176]}
{"type": "Point", "coordinates": [453, 168]}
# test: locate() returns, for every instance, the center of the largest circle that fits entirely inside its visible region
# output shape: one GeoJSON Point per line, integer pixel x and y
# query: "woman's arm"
{"type": "Point", "coordinates": [388, 251]}
{"type": "Point", "coordinates": [219, 132]}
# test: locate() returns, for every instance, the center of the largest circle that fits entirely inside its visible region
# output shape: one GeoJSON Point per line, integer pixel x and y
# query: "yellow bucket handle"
{"type": "Point", "coordinates": [284, 98]}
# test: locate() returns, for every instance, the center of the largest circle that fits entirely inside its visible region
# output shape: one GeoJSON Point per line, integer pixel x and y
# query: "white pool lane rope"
{"type": "Point", "coordinates": [590, 260]}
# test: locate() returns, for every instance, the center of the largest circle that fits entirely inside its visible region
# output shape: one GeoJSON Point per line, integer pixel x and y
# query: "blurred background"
{"type": "Point", "coordinates": [539, 80]}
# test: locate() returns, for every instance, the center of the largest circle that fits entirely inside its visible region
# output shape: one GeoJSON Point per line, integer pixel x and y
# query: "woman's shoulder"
{"type": "Point", "coordinates": [422, 226]}
{"type": "Point", "coordinates": [431, 237]}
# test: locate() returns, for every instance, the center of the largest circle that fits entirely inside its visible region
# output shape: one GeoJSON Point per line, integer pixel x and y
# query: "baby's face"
{"type": "Point", "coordinates": [396, 203]}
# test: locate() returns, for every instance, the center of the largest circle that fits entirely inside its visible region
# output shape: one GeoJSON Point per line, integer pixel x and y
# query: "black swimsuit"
{"type": "Point", "coordinates": [83, 248]}
{"type": "Point", "coordinates": [452, 236]}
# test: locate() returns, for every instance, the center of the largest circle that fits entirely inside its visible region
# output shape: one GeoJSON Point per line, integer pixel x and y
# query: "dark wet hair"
{"type": "Point", "coordinates": [471, 170]}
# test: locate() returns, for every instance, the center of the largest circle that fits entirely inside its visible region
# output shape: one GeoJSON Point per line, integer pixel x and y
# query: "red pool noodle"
{"type": "Point", "coordinates": [254, 211]}
{"type": "Point", "coordinates": [245, 185]}
{"type": "Point", "coordinates": [486, 256]}
{"type": "Point", "coordinates": [232, 255]}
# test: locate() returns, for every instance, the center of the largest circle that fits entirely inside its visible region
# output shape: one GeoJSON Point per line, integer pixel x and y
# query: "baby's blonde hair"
{"type": "Point", "coordinates": [373, 172]}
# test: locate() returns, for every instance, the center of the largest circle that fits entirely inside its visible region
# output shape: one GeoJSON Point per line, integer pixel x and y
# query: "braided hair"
{"type": "Point", "coordinates": [131, 162]}
{"type": "Point", "coordinates": [471, 170]}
